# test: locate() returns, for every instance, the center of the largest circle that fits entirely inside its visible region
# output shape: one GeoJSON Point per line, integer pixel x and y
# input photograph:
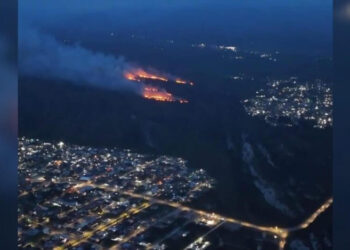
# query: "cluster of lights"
{"type": "Point", "coordinates": [82, 195]}
{"type": "Point", "coordinates": [285, 102]}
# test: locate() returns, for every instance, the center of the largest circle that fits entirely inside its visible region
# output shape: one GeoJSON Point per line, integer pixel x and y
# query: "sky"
{"type": "Point", "coordinates": [303, 23]}
{"type": "Point", "coordinates": [291, 26]}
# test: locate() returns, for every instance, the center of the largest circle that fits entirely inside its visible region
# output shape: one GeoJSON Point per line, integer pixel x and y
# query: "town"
{"type": "Point", "coordinates": [79, 197]}
{"type": "Point", "coordinates": [286, 102]}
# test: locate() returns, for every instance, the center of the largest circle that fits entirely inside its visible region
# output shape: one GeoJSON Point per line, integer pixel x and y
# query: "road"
{"type": "Point", "coordinates": [280, 232]}
{"type": "Point", "coordinates": [312, 217]}
{"type": "Point", "coordinates": [104, 226]}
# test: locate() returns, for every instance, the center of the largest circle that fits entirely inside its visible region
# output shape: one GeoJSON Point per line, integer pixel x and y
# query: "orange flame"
{"type": "Point", "coordinates": [150, 92]}
{"type": "Point", "coordinates": [160, 95]}
{"type": "Point", "coordinates": [179, 81]}
{"type": "Point", "coordinates": [139, 74]}
{"type": "Point", "coordinates": [130, 76]}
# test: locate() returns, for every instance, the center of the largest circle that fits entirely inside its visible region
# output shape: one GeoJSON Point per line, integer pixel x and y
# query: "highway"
{"type": "Point", "coordinates": [280, 232]}
{"type": "Point", "coordinates": [313, 216]}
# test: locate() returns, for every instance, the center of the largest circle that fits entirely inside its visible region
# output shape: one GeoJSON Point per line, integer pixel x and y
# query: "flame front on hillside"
{"type": "Point", "coordinates": [154, 93]}
{"type": "Point", "coordinates": [160, 95]}
{"type": "Point", "coordinates": [140, 74]}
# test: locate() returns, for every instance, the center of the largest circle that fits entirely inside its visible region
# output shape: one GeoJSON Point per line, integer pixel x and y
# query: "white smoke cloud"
{"type": "Point", "coordinates": [42, 56]}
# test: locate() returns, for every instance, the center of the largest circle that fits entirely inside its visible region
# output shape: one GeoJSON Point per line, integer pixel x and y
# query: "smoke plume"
{"type": "Point", "coordinates": [43, 56]}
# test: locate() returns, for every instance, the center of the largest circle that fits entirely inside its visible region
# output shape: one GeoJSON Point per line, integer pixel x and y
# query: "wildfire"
{"type": "Point", "coordinates": [131, 77]}
{"type": "Point", "coordinates": [160, 95]}
{"type": "Point", "coordinates": [180, 81]}
{"type": "Point", "coordinates": [140, 74]}
{"type": "Point", "coordinates": [151, 92]}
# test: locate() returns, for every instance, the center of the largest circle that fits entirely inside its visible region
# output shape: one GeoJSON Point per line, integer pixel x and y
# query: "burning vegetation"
{"type": "Point", "coordinates": [180, 81]}
{"type": "Point", "coordinates": [160, 95]}
{"type": "Point", "coordinates": [154, 93]}
{"type": "Point", "coordinates": [140, 74]}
